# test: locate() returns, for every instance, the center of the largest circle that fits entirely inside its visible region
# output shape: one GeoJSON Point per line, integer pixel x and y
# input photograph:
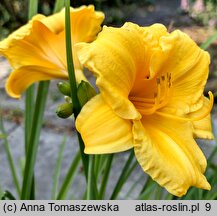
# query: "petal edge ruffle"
{"type": "Point", "coordinates": [23, 77]}
{"type": "Point", "coordinates": [164, 156]}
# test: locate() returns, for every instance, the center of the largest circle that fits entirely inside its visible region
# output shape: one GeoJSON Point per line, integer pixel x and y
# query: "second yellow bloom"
{"type": "Point", "coordinates": [37, 50]}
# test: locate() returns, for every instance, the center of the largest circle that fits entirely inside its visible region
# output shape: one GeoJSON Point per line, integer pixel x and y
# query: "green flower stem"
{"type": "Point", "coordinates": [158, 192]}
{"type": "Point", "coordinates": [8, 195]}
{"type": "Point", "coordinates": [134, 185]}
{"type": "Point", "coordinates": [84, 157]}
{"type": "Point", "coordinates": [34, 139]}
{"type": "Point", "coordinates": [10, 158]}
{"type": "Point", "coordinates": [106, 176]}
{"type": "Point", "coordinates": [70, 65]}
{"type": "Point", "coordinates": [100, 164]}
{"type": "Point", "coordinates": [59, 4]}
{"type": "Point", "coordinates": [29, 105]}
{"type": "Point", "coordinates": [33, 8]}
{"type": "Point", "coordinates": [91, 186]}
{"type": "Point", "coordinates": [147, 183]}
{"type": "Point", "coordinates": [69, 177]}
{"type": "Point", "coordinates": [127, 170]}
{"type": "Point", "coordinates": [57, 169]}
{"type": "Point", "coordinates": [73, 84]}
{"type": "Point", "coordinates": [148, 190]}
{"type": "Point", "coordinates": [148, 193]}
{"type": "Point", "coordinates": [97, 165]}
{"type": "Point", "coordinates": [168, 196]}
{"type": "Point", "coordinates": [30, 99]}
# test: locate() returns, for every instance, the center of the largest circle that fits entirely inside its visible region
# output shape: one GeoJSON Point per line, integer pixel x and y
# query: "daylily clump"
{"type": "Point", "coordinates": [151, 99]}
{"type": "Point", "coordinates": [37, 50]}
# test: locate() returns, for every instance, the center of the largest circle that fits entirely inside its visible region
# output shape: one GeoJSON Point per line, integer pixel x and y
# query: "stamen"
{"type": "Point", "coordinates": [165, 86]}
{"type": "Point", "coordinates": [169, 80]}
{"type": "Point", "coordinates": [158, 92]}
{"type": "Point", "coordinates": [156, 101]}
{"type": "Point", "coordinates": [148, 106]}
{"type": "Point", "coordinates": [203, 115]}
{"type": "Point", "coordinates": [141, 99]}
{"type": "Point", "coordinates": [146, 111]}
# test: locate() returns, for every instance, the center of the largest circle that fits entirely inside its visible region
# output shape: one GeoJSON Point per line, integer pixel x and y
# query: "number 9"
{"type": "Point", "coordinates": [208, 206]}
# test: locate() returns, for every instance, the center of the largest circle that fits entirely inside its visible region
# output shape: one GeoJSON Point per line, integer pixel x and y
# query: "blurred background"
{"type": "Point", "coordinates": [198, 18]}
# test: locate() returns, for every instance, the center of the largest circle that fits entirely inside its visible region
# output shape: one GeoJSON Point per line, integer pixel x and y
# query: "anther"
{"type": "Point", "coordinates": [148, 106]}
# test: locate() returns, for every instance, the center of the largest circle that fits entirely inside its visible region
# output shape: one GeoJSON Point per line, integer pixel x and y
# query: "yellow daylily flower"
{"type": "Point", "coordinates": [151, 99]}
{"type": "Point", "coordinates": [36, 51]}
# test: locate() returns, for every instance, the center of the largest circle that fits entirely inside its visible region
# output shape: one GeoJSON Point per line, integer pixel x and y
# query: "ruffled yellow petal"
{"type": "Point", "coordinates": [85, 23]}
{"type": "Point", "coordinates": [115, 57]}
{"type": "Point", "coordinates": [23, 77]}
{"type": "Point", "coordinates": [102, 130]}
{"type": "Point", "coordinates": [203, 127]}
{"type": "Point", "coordinates": [167, 151]}
{"type": "Point", "coordinates": [151, 36]}
{"type": "Point", "coordinates": [19, 34]}
{"type": "Point", "coordinates": [55, 22]}
{"type": "Point", "coordinates": [188, 66]}
{"type": "Point", "coordinates": [41, 47]}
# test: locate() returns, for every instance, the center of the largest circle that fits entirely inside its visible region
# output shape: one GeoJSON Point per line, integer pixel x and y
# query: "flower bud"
{"type": "Point", "coordinates": [64, 110]}
{"type": "Point", "coordinates": [68, 99]}
{"type": "Point", "coordinates": [64, 88]}
{"type": "Point", "coordinates": [85, 92]}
